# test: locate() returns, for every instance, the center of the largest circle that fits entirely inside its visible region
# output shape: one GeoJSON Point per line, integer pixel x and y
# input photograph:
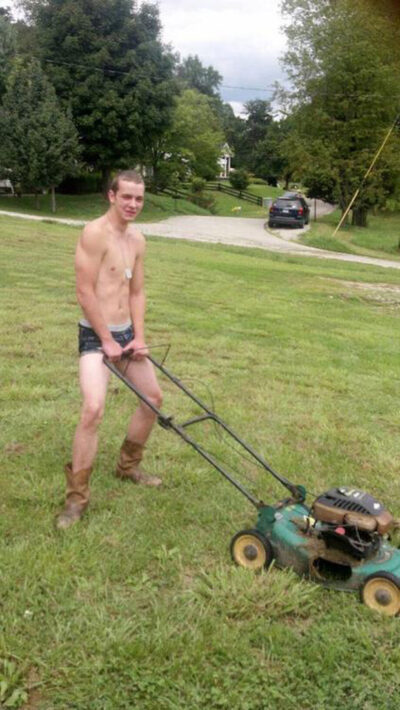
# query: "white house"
{"type": "Point", "coordinates": [6, 186]}
{"type": "Point", "coordinates": [224, 160]}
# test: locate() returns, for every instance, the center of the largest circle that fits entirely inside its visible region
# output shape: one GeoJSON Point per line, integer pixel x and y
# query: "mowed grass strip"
{"type": "Point", "coordinates": [139, 606]}
{"type": "Point", "coordinates": [380, 238]}
{"type": "Point", "coordinates": [84, 207]}
{"type": "Point", "coordinates": [156, 208]}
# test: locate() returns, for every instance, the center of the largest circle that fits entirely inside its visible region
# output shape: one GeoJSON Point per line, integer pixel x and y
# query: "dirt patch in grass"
{"type": "Point", "coordinates": [380, 293]}
{"type": "Point", "coordinates": [29, 328]}
{"type": "Point", "coordinates": [34, 695]}
{"type": "Point", "coordinates": [14, 448]}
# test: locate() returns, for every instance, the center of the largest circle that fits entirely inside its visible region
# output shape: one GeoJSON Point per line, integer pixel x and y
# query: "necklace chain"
{"type": "Point", "coordinates": [127, 269]}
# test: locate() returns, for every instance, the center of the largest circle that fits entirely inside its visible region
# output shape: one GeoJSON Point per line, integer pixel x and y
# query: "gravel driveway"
{"type": "Point", "coordinates": [248, 232]}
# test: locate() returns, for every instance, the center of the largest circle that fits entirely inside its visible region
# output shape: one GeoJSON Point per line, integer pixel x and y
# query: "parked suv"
{"type": "Point", "coordinates": [291, 209]}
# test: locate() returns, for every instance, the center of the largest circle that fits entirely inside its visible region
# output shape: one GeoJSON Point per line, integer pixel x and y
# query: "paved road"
{"type": "Point", "coordinates": [237, 231]}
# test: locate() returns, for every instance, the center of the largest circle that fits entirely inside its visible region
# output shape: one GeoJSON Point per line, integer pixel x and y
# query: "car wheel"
{"type": "Point", "coordinates": [271, 224]}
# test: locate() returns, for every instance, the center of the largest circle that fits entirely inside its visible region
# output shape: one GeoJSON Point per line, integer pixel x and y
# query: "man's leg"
{"type": "Point", "coordinates": [143, 376]}
{"type": "Point", "coordinates": [93, 376]}
{"type": "Point", "coordinates": [93, 379]}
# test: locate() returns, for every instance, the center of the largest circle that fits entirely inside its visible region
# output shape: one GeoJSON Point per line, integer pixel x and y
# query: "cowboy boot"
{"type": "Point", "coordinates": [128, 467]}
{"type": "Point", "coordinates": [77, 496]}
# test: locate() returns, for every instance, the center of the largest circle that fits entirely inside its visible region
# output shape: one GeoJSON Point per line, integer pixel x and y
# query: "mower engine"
{"type": "Point", "coordinates": [351, 520]}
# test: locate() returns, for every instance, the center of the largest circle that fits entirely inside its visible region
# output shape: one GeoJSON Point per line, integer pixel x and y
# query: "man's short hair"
{"type": "Point", "coordinates": [128, 175]}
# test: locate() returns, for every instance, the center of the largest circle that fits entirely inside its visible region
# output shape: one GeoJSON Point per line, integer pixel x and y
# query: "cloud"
{"type": "Point", "coordinates": [242, 40]}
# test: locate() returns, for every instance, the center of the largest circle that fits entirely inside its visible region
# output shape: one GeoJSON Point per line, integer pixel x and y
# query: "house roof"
{"type": "Point", "coordinates": [227, 150]}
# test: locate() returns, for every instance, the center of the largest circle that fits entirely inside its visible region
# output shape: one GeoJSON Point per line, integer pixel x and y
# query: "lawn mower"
{"type": "Point", "coordinates": [341, 541]}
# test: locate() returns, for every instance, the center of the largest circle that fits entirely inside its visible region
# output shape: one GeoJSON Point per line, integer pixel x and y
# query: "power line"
{"type": "Point", "coordinates": [106, 70]}
{"type": "Point", "coordinates": [271, 90]}
{"type": "Point", "coordinates": [247, 88]}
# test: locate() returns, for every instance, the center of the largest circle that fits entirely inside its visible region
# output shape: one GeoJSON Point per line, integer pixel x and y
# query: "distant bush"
{"type": "Point", "coordinates": [197, 185]}
{"type": "Point", "coordinates": [206, 201]}
{"type": "Point", "coordinates": [83, 184]}
{"type": "Point", "coordinates": [240, 179]}
{"type": "Point", "coordinates": [258, 180]}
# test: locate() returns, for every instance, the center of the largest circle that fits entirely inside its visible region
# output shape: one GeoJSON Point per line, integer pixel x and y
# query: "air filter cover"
{"type": "Point", "coordinates": [350, 506]}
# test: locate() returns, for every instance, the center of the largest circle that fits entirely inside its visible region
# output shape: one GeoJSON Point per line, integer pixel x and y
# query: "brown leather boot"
{"type": "Point", "coordinates": [77, 496]}
{"type": "Point", "coordinates": [128, 467]}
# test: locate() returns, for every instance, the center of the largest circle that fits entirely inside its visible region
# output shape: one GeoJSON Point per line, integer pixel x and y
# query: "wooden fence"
{"type": "Point", "coordinates": [214, 187]}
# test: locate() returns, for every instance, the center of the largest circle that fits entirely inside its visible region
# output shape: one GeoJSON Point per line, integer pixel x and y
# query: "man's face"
{"type": "Point", "coordinates": [128, 199]}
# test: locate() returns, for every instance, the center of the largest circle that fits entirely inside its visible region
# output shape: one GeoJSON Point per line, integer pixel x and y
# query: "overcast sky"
{"type": "Point", "coordinates": [242, 39]}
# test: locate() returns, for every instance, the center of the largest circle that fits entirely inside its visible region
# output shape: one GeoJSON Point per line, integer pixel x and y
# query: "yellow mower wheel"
{"type": "Point", "coordinates": [252, 550]}
{"type": "Point", "coordinates": [381, 592]}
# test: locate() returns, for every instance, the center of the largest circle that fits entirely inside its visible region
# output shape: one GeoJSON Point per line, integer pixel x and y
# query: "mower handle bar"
{"type": "Point", "coordinates": [167, 423]}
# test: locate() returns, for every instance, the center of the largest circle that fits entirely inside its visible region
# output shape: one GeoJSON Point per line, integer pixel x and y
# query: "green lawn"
{"type": "Point", "coordinates": [227, 206]}
{"type": "Point", "coordinates": [380, 238]}
{"type": "Point", "coordinates": [157, 207]}
{"type": "Point", "coordinates": [139, 607]}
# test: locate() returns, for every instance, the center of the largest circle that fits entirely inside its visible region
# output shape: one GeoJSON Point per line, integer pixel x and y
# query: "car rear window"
{"type": "Point", "coordinates": [287, 204]}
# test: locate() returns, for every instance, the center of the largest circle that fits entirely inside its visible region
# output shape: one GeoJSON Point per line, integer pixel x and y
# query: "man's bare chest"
{"type": "Point", "coordinates": [119, 260]}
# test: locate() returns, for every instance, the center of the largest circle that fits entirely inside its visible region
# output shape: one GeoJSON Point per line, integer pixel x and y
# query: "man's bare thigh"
{"type": "Point", "coordinates": [142, 374]}
{"type": "Point", "coordinates": [93, 376]}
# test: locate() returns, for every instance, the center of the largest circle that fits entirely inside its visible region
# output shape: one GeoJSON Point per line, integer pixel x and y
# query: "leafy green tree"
{"type": "Point", "coordinates": [7, 47]}
{"type": "Point", "coordinates": [107, 63]}
{"type": "Point", "coordinates": [196, 130]}
{"type": "Point", "coordinates": [194, 75]}
{"type": "Point", "coordinates": [194, 141]}
{"type": "Point", "coordinates": [250, 135]}
{"type": "Point", "coordinates": [38, 141]}
{"type": "Point", "coordinates": [343, 62]}
{"type": "Point", "coordinates": [230, 124]}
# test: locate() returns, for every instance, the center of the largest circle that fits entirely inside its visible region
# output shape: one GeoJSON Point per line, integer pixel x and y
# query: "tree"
{"type": "Point", "coordinates": [106, 62]}
{"type": "Point", "coordinates": [38, 141]}
{"type": "Point", "coordinates": [344, 95]}
{"type": "Point", "coordinates": [196, 131]}
{"type": "Point", "coordinates": [7, 47]}
{"type": "Point", "coordinates": [251, 134]}
{"type": "Point", "coordinates": [193, 75]}
{"type": "Point", "coordinates": [193, 143]}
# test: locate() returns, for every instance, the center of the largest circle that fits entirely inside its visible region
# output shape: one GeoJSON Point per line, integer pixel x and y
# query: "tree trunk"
{"type": "Point", "coordinates": [359, 217]}
{"type": "Point", "coordinates": [53, 199]}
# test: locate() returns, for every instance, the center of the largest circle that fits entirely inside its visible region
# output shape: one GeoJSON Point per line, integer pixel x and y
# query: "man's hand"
{"type": "Point", "coordinates": [137, 348]}
{"type": "Point", "coordinates": [112, 350]}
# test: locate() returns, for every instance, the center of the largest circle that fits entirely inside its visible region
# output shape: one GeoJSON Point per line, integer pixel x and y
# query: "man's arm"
{"type": "Point", "coordinates": [89, 254]}
{"type": "Point", "coordinates": [137, 300]}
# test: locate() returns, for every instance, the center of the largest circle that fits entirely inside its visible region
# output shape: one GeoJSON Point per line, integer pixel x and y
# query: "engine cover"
{"type": "Point", "coordinates": [350, 506]}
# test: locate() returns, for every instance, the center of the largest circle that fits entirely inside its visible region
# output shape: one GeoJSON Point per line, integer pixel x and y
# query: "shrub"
{"type": "Point", "coordinates": [82, 184]}
{"type": "Point", "coordinates": [239, 179]}
{"type": "Point", "coordinates": [258, 180]}
{"type": "Point", "coordinates": [207, 202]}
{"type": "Point", "coordinates": [197, 185]}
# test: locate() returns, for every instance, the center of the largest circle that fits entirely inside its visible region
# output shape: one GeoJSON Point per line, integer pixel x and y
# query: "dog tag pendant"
{"type": "Point", "coordinates": [128, 273]}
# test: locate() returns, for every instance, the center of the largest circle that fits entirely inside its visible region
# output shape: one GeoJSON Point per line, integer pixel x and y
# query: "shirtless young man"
{"type": "Point", "coordinates": [110, 290]}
